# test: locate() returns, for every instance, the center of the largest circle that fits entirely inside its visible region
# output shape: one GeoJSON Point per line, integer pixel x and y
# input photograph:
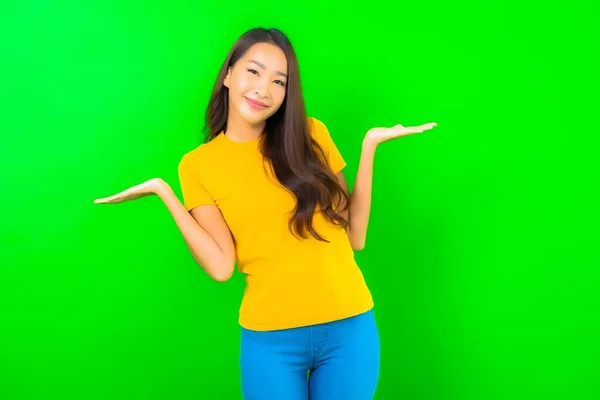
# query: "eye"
{"type": "Point", "coordinates": [280, 83]}
{"type": "Point", "coordinates": [253, 71]}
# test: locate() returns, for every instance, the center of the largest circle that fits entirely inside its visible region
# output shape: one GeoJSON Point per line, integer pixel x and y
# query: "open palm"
{"type": "Point", "coordinates": [380, 135]}
{"type": "Point", "coordinates": [144, 189]}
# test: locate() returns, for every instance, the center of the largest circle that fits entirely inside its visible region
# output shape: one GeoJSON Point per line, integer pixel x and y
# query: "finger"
{"type": "Point", "coordinates": [100, 201]}
{"type": "Point", "coordinates": [421, 128]}
{"type": "Point", "coordinates": [410, 131]}
{"type": "Point", "coordinates": [105, 200]}
{"type": "Point", "coordinates": [112, 199]}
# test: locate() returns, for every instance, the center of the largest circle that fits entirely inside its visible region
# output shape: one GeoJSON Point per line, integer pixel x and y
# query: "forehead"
{"type": "Point", "coordinates": [271, 56]}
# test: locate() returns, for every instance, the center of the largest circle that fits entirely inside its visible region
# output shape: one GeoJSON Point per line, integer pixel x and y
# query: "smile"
{"type": "Point", "coordinates": [257, 105]}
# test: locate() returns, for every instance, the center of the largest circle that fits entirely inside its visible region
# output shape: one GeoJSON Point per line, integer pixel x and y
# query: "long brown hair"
{"type": "Point", "coordinates": [297, 160]}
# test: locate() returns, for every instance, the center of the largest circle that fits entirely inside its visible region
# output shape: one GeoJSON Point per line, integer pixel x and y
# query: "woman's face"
{"type": "Point", "coordinates": [257, 83]}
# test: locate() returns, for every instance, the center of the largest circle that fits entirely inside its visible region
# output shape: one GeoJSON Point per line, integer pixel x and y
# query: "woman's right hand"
{"type": "Point", "coordinates": [148, 188]}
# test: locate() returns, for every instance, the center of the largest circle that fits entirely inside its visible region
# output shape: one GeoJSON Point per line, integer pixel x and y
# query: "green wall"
{"type": "Point", "coordinates": [480, 251]}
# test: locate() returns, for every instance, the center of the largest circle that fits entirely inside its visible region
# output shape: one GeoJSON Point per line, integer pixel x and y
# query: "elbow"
{"type": "Point", "coordinates": [218, 272]}
{"type": "Point", "coordinates": [357, 241]}
{"type": "Point", "coordinates": [222, 273]}
{"type": "Point", "coordinates": [358, 246]}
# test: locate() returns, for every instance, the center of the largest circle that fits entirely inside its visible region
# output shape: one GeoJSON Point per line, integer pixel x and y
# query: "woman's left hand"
{"type": "Point", "coordinates": [376, 136]}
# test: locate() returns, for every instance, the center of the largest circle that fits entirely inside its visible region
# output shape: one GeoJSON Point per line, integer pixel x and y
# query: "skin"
{"type": "Point", "coordinates": [259, 75]}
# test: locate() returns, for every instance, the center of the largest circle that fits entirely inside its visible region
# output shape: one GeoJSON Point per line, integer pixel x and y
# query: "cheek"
{"type": "Point", "coordinates": [240, 84]}
{"type": "Point", "coordinates": [279, 96]}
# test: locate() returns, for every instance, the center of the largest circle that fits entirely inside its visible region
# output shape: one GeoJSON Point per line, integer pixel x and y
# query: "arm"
{"type": "Point", "coordinates": [360, 199]}
{"type": "Point", "coordinates": [206, 234]}
{"type": "Point", "coordinates": [203, 228]}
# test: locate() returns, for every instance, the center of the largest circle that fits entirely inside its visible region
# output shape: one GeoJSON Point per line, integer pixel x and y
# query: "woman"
{"type": "Point", "coordinates": [267, 190]}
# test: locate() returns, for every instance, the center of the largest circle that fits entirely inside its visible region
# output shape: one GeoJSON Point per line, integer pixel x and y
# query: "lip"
{"type": "Point", "coordinates": [256, 104]}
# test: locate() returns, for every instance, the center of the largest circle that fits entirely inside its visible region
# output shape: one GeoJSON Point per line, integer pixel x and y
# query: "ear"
{"type": "Point", "coordinates": [226, 80]}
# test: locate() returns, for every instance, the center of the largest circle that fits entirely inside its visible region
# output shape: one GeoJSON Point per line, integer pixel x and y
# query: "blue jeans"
{"type": "Point", "coordinates": [337, 360]}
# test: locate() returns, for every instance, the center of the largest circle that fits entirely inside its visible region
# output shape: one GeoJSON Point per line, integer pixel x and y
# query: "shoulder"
{"type": "Point", "coordinates": [193, 156]}
{"type": "Point", "coordinates": [202, 153]}
{"type": "Point", "coordinates": [197, 158]}
{"type": "Point", "coordinates": [318, 130]}
{"type": "Point", "coordinates": [316, 126]}
{"type": "Point", "coordinates": [320, 133]}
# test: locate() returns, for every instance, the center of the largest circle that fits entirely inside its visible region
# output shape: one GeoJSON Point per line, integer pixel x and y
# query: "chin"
{"type": "Point", "coordinates": [253, 119]}
{"type": "Point", "coordinates": [256, 117]}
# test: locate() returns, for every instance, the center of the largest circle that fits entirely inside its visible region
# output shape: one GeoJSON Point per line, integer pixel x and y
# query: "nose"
{"type": "Point", "coordinates": [262, 88]}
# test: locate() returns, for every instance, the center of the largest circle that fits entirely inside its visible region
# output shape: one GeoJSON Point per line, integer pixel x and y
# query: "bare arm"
{"type": "Point", "coordinates": [360, 199]}
{"type": "Point", "coordinates": [206, 234]}
{"type": "Point", "coordinates": [204, 230]}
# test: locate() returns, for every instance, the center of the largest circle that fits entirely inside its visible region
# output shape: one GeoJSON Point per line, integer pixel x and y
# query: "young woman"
{"type": "Point", "coordinates": [267, 190]}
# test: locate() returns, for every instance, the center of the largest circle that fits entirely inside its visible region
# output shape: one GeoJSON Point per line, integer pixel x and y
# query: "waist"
{"type": "Point", "coordinates": [303, 295]}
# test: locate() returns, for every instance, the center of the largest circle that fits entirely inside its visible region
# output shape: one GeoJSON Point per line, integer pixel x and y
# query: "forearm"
{"type": "Point", "coordinates": [204, 249]}
{"type": "Point", "coordinates": [360, 199]}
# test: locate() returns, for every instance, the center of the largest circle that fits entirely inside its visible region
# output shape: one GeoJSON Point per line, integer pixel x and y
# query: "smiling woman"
{"type": "Point", "coordinates": [257, 94]}
{"type": "Point", "coordinates": [257, 82]}
{"type": "Point", "coordinates": [267, 189]}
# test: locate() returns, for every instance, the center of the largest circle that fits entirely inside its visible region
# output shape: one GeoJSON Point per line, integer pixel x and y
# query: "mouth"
{"type": "Point", "coordinates": [257, 105]}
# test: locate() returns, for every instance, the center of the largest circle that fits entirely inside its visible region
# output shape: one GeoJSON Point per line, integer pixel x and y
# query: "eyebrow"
{"type": "Point", "coordinates": [263, 67]}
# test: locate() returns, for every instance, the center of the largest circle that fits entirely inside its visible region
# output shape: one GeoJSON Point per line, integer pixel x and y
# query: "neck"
{"type": "Point", "coordinates": [239, 130]}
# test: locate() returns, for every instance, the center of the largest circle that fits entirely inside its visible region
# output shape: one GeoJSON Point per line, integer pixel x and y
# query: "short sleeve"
{"type": "Point", "coordinates": [194, 193]}
{"type": "Point", "coordinates": [322, 136]}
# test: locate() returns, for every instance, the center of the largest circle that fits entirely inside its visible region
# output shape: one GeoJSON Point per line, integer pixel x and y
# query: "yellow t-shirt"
{"type": "Point", "coordinates": [290, 282]}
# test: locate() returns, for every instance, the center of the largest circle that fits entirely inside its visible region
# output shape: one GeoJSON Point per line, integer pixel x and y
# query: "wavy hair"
{"type": "Point", "coordinates": [297, 160]}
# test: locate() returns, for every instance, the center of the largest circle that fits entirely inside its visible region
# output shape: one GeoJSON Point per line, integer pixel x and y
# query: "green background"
{"type": "Point", "coordinates": [482, 249]}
